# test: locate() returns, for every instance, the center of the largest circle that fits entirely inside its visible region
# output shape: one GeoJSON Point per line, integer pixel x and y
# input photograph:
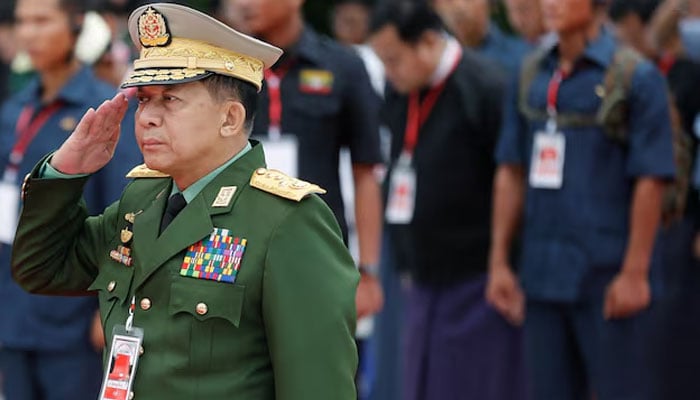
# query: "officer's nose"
{"type": "Point", "coordinates": [148, 116]}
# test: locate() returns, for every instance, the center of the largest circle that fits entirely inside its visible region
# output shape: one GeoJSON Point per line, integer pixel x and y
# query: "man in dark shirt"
{"type": "Point", "coordinates": [316, 99]}
{"type": "Point", "coordinates": [443, 110]}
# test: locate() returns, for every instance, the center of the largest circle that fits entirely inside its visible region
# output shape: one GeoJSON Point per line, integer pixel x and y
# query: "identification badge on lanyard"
{"type": "Point", "coordinates": [123, 359]}
{"type": "Point", "coordinates": [547, 165]}
{"type": "Point", "coordinates": [402, 192]}
{"type": "Point", "coordinates": [27, 128]}
{"type": "Point", "coordinates": [9, 197]}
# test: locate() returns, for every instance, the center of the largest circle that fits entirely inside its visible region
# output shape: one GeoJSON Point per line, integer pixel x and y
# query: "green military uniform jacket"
{"type": "Point", "coordinates": [283, 330]}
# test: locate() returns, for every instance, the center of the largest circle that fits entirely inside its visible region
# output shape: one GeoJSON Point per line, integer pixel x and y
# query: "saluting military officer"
{"type": "Point", "coordinates": [248, 291]}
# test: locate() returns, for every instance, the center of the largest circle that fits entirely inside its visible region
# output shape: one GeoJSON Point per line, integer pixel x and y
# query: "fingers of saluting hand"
{"type": "Point", "coordinates": [103, 123]}
{"type": "Point", "coordinates": [116, 108]}
{"type": "Point", "coordinates": [97, 131]}
{"type": "Point", "coordinates": [81, 131]}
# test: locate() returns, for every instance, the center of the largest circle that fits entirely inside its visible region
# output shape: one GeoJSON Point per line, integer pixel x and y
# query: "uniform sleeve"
{"type": "Point", "coordinates": [360, 114]}
{"type": "Point", "coordinates": [309, 307]}
{"type": "Point", "coordinates": [650, 136]}
{"type": "Point", "coordinates": [510, 147]}
{"type": "Point", "coordinates": [56, 248]}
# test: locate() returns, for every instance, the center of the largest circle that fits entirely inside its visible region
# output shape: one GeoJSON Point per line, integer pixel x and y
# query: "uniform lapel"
{"type": "Point", "coordinates": [193, 223]}
{"type": "Point", "coordinates": [146, 233]}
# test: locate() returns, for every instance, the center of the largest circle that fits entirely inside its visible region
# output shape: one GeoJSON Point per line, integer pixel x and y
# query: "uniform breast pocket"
{"type": "Point", "coordinates": [112, 289]}
{"type": "Point", "coordinates": [316, 105]}
{"type": "Point", "coordinates": [209, 313]}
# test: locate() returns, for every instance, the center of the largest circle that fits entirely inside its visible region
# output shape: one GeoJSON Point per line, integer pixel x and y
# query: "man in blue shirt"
{"type": "Point", "coordinates": [590, 208]}
{"type": "Point", "coordinates": [45, 343]}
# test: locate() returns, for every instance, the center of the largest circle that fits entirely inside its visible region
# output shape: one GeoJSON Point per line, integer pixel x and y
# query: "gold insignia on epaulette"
{"type": "Point", "coordinates": [282, 185]}
{"type": "Point", "coordinates": [142, 171]}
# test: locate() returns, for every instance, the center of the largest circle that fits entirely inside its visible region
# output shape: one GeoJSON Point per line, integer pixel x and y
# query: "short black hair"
{"type": "Point", "coordinates": [643, 8]}
{"type": "Point", "coordinates": [412, 18]}
{"type": "Point", "coordinates": [223, 87]}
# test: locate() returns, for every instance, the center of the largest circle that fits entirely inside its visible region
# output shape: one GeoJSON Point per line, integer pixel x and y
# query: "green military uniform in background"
{"type": "Point", "coordinates": [282, 330]}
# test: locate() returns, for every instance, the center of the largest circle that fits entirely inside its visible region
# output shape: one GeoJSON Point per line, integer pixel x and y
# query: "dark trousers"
{"type": "Point", "coordinates": [676, 345]}
{"type": "Point", "coordinates": [50, 375]}
{"type": "Point", "coordinates": [573, 353]}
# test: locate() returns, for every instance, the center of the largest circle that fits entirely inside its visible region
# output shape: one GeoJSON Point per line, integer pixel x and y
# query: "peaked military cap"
{"type": "Point", "coordinates": [179, 44]}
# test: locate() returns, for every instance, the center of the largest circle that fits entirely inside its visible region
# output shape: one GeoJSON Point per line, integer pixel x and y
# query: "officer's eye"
{"type": "Point", "coordinates": [142, 99]}
{"type": "Point", "coordinates": [168, 97]}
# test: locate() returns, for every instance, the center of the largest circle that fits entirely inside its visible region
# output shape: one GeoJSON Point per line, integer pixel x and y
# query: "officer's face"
{"type": "Point", "coordinates": [178, 128]}
{"type": "Point", "coordinates": [44, 31]}
{"type": "Point", "coordinates": [408, 66]}
{"type": "Point", "coordinates": [565, 16]}
{"type": "Point", "coordinates": [262, 17]}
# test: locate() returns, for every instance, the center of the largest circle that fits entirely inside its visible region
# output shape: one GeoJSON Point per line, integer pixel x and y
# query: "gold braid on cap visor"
{"type": "Point", "coordinates": [186, 58]}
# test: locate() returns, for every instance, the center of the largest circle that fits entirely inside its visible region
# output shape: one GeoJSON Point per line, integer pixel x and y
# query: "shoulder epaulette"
{"type": "Point", "coordinates": [282, 185]}
{"type": "Point", "coordinates": [142, 171]}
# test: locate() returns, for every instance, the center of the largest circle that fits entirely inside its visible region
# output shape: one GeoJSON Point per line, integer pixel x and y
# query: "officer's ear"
{"type": "Point", "coordinates": [232, 119]}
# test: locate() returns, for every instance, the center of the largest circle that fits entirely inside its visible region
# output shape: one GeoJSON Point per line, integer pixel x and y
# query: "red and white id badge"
{"type": "Point", "coordinates": [402, 192]}
{"type": "Point", "coordinates": [123, 359]}
{"type": "Point", "coordinates": [547, 165]}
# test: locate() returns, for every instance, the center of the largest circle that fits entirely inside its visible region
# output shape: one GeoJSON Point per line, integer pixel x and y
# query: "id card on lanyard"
{"type": "Point", "coordinates": [281, 150]}
{"type": "Point", "coordinates": [124, 354]}
{"type": "Point", "coordinates": [401, 200]}
{"type": "Point", "coordinates": [549, 146]}
{"type": "Point", "coordinates": [27, 129]}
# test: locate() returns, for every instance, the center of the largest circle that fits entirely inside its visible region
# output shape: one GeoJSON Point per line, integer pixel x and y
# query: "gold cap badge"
{"type": "Point", "coordinates": [178, 44]}
{"type": "Point", "coordinates": [153, 29]}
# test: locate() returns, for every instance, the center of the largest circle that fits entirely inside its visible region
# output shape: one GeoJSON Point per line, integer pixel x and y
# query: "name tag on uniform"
{"type": "Point", "coordinates": [547, 165]}
{"type": "Point", "coordinates": [282, 153]}
{"type": "Point", "coordinates": [9, 197]}
{"type": "Point", "coordinates": [402, 193]}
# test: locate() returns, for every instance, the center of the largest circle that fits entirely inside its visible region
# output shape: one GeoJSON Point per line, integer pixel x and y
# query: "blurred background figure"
{"type": "Point", "coordinates": [50, 347]}
{"type": "Point", "coordinates": [525, 17]}
{"type": "Point", "coordinates": [470, 22]}
{"type": "Point", "coordinates": [443, 107]}
{"type": "Point", "coordinates": [652, 27]}
{"type": "Point", "coordinates": [690, 27]}
{"type": "Point", "coordinates": [588, 195]}
{"type": "Point", "coordinates": [350, 21]}
{"type": "Point", "coordinates": [316, 100]}
{"type": "Point", "coordinates": [380, 362]}
{"type": "Point", "coordinates": [7, 46]}
{"type": "Point", "coordinates": [350, 24]}
{"type": "Point", "coordinates": [115, 61]}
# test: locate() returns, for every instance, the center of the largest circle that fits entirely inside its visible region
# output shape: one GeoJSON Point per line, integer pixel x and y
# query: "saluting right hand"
{"type": "Point", "coordinates": [92, 143]}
